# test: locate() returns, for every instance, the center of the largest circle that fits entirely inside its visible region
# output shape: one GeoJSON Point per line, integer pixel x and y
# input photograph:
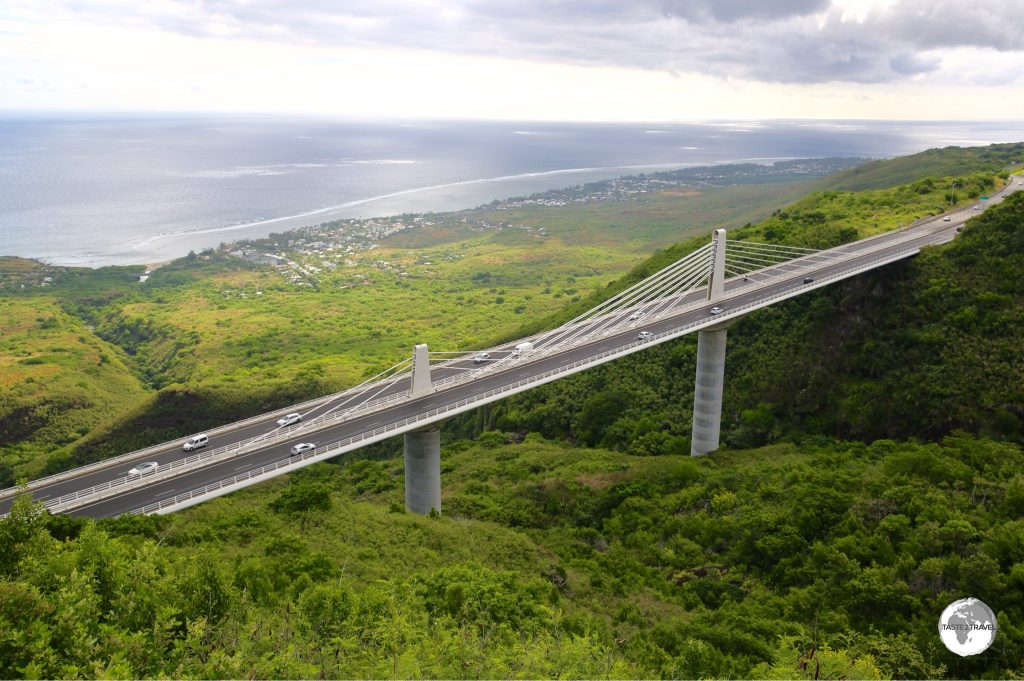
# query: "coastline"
{"type": "Point", "coordinates": [443, 199]}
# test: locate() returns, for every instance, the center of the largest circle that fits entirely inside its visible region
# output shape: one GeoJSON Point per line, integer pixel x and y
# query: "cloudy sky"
{"type": "Point", "coordinates": [519, 59]}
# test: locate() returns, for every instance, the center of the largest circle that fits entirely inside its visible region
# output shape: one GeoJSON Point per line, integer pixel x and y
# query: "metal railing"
{"type": "Point", "coordinates": [121, 459]}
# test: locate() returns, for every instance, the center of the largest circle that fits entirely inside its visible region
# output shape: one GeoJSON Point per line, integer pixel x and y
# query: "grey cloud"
{"type": "Point", "coordinates": [945, 23]}
{"type": "Point", "coordinates": [702, 11]}
{"type": "Point", "coordinates": [802, 41]}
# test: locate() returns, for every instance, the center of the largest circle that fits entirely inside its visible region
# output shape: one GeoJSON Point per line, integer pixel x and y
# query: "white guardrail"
{"type": "Point", "coordinates": [122, 459]}
{"type": "Point", "coordinates": [205, 457]}
{"type": "Point", "coordinates": [438, 413]}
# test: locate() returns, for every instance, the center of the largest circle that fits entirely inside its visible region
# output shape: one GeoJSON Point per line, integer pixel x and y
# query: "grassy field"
{"type": "Point", "coordinates": [947, 162]}
{"type": "Point", "coordinates": [657, 219]}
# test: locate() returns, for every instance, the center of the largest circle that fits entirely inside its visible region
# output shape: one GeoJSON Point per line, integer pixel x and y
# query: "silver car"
{"type": "Point", "coordinates": [302, 448]}
{"type": "Point", "coordinates": [144, 468]}
{"type": "Point", "coordinates": [289, 419]}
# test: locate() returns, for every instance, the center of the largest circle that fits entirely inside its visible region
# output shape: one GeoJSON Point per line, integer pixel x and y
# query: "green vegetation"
{"type": "Point", "coordinates": [657, 219]}
{"type": "Point", "coordinates": [946, 162]}
{"type": "Point", "coordinates": [873, 470]}
{"type": "Point", "coordinates": [551, 560]}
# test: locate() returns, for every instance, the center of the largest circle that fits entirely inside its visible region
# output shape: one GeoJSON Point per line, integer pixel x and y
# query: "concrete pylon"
{"type": "Point", "coordinates": [423, 471]}
{"type": "Point", "coordinates": [710, 381]}
{"type": "Point", "coordinates": [707, 392]}
{"type": "Point", "coordinates": [420, 371]}
{"type": "Point", "coordinates": [716, 282]}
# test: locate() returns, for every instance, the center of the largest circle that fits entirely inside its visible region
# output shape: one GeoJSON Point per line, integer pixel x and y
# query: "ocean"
{"type": "Point", "coordinates": [94, 191]}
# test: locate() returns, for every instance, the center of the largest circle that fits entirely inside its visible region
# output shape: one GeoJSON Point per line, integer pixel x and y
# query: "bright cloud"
{"type": "Point", "coordinates": [532, 59]}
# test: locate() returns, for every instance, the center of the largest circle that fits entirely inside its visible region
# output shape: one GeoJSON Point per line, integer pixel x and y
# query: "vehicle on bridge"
{"type": "Point", "coordinates": [481, 357]}
{"type": "Point", "coordinates": [144, 468]}
{"type": "Point", "coordinates": [289, 419]}
{"type": "Point", "coordinates": [717, 310]}
{"type": "Point", "coordinates": [644, 335]}
{"type": "Point", "coordinates": [521, 348]}
{"type": "Point", "coordinates": [302, 448]}
{"type": "Point", "coordinates": [195, 442]}
{"type": "Point", "coordinates": [635, 316]}
{"type": "Point", "coordinates": [808, 280]}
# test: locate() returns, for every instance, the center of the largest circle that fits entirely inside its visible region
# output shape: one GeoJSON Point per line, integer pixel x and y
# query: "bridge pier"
{"type": "Point", "coordinates": [707, 393]}
{"type": "Point", "coordinates": [708, 387]}
{"type": "Point", "coordinates": [423, 470]}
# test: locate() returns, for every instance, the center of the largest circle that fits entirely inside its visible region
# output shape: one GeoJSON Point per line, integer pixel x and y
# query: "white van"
{"type": "Point", "coordinates": [526, 346]}
{"type": "Point", "coordinates": [195, 442]}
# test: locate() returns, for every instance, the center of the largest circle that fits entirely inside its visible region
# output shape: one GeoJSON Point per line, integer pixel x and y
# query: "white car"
{"type": "Point", "coordinates": [195, 442]}
{"type": "Point", "coordinates": [644, 335]}
{"type": "Point", "coordinates": [144, 468]}
{"type": "Point", "coordinates": [302, 448]}
{"type": "Point", "coordinates": [289, 420]}
{"type": "Point", "coordinates": [946, 219]}
{"type": "Point", "coordinates": [635, 316]}
{"type": "Point", "coordinates": [481, 357]}
{"type": "Point", "coordinates": [716, 310]}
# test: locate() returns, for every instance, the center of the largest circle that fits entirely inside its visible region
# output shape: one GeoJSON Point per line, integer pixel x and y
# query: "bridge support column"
{"type": "Point", "coordinates": [707, 397]}
{"type": "Point", "coordinates": [423, 470]}
{"type": "Point", "coordinates": [707, 391]}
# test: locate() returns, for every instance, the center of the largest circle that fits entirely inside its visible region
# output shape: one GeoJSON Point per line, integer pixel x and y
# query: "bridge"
{"type": "Point", "coordinates": [702, 293]}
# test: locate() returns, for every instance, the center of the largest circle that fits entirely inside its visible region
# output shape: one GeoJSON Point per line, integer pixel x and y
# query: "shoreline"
{"type": "Point", "coordinates": [307, 219]}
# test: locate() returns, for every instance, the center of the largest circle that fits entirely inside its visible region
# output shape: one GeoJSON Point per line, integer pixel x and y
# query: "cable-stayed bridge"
{"type": "Point", "coordinates": [702, 292]}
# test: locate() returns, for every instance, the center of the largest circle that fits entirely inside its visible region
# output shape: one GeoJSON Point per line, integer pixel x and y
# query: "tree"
{"type": "Point", "coordinates": [303, 497]}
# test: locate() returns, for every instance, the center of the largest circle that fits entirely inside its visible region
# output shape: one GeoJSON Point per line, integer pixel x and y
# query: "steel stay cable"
{"type": "Point", "coordinates": [614, 301]}
{"type": "Point", "coordinates": [697, 270]}
{"type": "Point", "coordinates": [549, 340]}
{"type": "Point", "coordinates": [738, 243]}
{"type": "Point", "coordinates": [662, 307]}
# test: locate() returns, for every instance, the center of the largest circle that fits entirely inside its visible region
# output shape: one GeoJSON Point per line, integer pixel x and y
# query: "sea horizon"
{"type": "Point", "coordinates": [95, 191]}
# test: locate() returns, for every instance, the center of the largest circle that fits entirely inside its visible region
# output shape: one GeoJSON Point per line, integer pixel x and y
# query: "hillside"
{"type": "Point", "coordinates": [550, 561]}
{"type": "Point", "coordinates": [873, 471]}
{"type": "Point", "coordinates": [945, 162]}
{"type": "Point", "coordinates": [918, 349]}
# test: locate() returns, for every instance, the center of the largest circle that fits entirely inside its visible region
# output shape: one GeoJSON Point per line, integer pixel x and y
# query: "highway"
{"type": "Point", "coordinates": [742, 296]}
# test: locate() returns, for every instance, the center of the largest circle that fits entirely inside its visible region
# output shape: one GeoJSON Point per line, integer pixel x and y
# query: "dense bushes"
{"type": "Point", "coordinates": [839, 555]}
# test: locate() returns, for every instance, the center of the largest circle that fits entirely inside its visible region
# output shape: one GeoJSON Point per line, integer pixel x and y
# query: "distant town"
{"type": "Point", "coordinates": [300, 256]}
